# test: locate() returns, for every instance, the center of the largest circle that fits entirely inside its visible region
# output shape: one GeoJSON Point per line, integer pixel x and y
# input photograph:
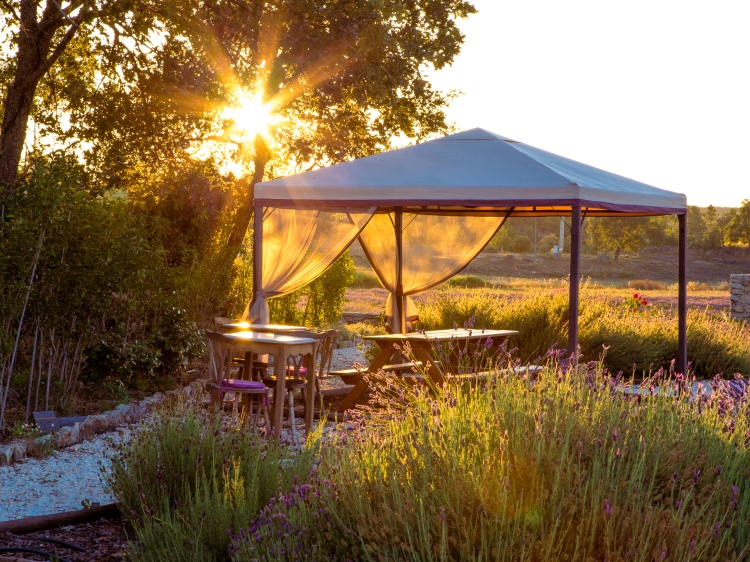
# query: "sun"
{"type": "Point", "coordinates": [250, 116]}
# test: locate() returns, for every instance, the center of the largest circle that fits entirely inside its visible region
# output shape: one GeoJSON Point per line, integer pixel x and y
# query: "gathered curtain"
{"type": "Point", "coordinates": [435, 247]}
{"type": "Point", "coordinates": [298, 246]}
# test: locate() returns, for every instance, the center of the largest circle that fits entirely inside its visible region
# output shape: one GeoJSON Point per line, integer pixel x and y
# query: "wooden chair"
{"type": "Point", "coordinates": [296, 374]}
{"type": "Point", "coordinates": [221, 383]}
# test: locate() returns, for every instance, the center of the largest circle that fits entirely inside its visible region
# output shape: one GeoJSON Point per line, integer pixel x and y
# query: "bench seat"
{"type": "Point", "coordinates": [352, 376]}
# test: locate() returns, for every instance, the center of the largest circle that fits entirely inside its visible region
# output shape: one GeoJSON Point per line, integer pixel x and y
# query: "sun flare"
{"type": "Point", "coordinates": [250, 116]}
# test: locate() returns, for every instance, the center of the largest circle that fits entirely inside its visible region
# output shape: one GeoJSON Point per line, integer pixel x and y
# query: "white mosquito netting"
{"type": "Point", "coordinates": [298, 246]}
{"type": "Point", "coordinates": [434, 248]}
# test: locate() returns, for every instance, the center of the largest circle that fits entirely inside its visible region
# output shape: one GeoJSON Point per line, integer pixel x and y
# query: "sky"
{"type": "Point", "coordinates": [658, 90]}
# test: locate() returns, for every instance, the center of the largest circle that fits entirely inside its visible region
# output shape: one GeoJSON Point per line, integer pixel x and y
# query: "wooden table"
{"type": "Point", "coordinates": [422, 348]}
{"type": "Point", "coordinates": [260, 328]}
{"type": "Point", "coordinates": [242, 326]}
{"type": "Point", "coordinates": [280, 346]}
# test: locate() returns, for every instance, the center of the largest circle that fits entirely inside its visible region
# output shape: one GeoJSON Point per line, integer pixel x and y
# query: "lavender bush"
{"type": "Point", "coordinates": [187, 477]}
{"type": "Point", "coordinates": [563, 466]}
{"type": "Point", "coordinates": [641, 340]}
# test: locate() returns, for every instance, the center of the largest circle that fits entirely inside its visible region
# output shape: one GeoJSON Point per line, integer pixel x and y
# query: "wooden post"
{"type": "Point", "coordinates": [682, 298]}
{"type": "Point", "coordinates": [400, 302]}
{"type": "Point", "coordinates": [575, 279]}
{"type": "Point", "coordinates": [257, 251]}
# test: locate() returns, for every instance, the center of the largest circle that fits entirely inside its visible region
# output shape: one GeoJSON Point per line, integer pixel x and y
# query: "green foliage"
{"type": "Point", "coordinates": [559, 468]}
{"type": "Point", "coordinates": [643, 342]}
{"type": "Point", "coordinates": [521, 244]}
{"type": "Point", "coordinates": [738, 225]}
{"type": "Point", "coordinates": [618, 235]}
{"type": "Point", "coordinates": [186, 477]}
{"type": "Point", "coordinates": [467, 282]}
{"type": "Point", "coordinates": [178, 340]}
{"type": "Point", "coordinates": [364, 281]}
{"type": "Point", "coordinates": [322, 300]}
{"type": "Point", "coordinates": [113, 358]}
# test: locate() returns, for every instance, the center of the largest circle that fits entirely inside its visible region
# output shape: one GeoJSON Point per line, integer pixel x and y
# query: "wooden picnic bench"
{"type": "Point", "coordinates": [421, 344]}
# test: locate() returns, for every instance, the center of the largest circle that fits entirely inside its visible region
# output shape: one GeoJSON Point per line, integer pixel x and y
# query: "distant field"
{"type": "Point", "coordinates": [653, 273]}
{"type": "Point", "coordinates": [658, 265]}
{"type": "Point", "coordinates": [373, 300]}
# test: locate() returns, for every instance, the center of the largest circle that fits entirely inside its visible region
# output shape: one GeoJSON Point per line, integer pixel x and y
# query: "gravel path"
{"type": "Point", "coordinates": [59, 482]}
{"type": "Point", "coordinates": [62, 481]}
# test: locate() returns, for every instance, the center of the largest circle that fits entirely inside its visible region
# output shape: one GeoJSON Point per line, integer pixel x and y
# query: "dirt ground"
{"type": "Point", "coordinates": [103, 540]}
{"type": "Point", "coordinates": [656, 264]}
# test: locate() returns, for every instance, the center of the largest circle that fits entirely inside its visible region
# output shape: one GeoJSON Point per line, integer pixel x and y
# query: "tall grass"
{"type": "Point", "coordinates": [644, 341]}
{"type": "Point", "coordinates": [563, 467]}
{"type": "Point", "coordinates": [187, 477]}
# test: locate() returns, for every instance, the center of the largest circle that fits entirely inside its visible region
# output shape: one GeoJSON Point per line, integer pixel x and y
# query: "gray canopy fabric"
{"type": "Point", "coordinates": [472, 170]}
{"type": "Point", "coordinates": [423, 212]}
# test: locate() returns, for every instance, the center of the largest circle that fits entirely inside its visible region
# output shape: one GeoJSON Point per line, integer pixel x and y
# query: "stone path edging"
{"type": "Point", "coordinates": [96, 423]}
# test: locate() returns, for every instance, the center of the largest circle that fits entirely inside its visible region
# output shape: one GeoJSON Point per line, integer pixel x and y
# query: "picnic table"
{"type": "Point", "coordinates": [240, 326]}
{"type": "Point", "coordinates": [421, 344]}
{"type": "Point", "coordinates": [281, 346]}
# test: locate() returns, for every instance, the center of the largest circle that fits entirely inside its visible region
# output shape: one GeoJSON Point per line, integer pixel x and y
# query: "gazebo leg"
{"type": "Point", "coordinates": [575, 279]}
{"type": "Point", "coordinates": [682, 298]}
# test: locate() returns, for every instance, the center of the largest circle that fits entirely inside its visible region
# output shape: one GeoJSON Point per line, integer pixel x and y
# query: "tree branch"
{"type": "Point", "coordinates": [56, 53]}
{"type": "Point", "coordinates": [11, 9]}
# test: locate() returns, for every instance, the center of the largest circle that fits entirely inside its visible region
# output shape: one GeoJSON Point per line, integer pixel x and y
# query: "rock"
{"type": "Point", "coordinates": [68, 436]}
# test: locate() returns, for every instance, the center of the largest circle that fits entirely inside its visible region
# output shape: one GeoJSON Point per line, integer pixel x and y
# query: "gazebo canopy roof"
{"type": "Point", "coordinates": [473, 171]}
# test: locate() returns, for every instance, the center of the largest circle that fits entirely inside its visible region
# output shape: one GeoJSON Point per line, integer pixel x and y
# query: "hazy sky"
{"type": "Point", "coordinates": [658, 91]}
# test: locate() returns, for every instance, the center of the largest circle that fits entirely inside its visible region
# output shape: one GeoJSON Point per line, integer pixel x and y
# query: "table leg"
{"type": "Point", "coordinates": [349, 401]}
{"type": "Point", "coordinates": [422, 351]}
{"type": "Point", "coordinates": [247, 368]}
{"type": "Point", "coordinates": [278, 398]}
{"type": "Point", "coordinates": [310, 394]}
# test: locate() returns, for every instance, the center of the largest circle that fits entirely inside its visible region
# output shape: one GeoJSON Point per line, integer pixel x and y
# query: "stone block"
{"type": "Point", "coordinates": [68, 436]}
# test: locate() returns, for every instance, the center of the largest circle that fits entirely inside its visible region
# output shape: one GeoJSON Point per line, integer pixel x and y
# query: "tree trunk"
{"type": "Point", "coordinates": [245, 211]}
{"type": "Point", "coordinates": [33, 59]}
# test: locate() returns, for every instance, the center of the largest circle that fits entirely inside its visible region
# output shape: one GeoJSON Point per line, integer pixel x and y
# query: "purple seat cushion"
{"type": "Point", "coordinates": [238, 383]}
{"type": "Point", "coordinates": [302, 370]}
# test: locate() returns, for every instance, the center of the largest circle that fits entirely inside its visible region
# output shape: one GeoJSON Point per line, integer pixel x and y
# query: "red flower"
{"type": "Point", "coordinates": [635, 296]}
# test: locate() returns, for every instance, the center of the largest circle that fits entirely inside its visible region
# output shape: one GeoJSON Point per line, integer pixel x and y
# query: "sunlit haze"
{"type": "Point", "coordinates": [657, 91]}
{"type": "Point", "coordinates": [250, 115]}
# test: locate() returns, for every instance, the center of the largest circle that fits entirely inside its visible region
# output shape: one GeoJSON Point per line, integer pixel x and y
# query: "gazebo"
{"type": "Point", "coordinates": [423, 212]}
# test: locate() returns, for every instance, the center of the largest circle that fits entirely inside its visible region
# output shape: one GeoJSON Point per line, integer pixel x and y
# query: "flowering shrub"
{"type": "Point", "coordinates": [641, 342]}
{"type": "Point", "coordinates": [186, 477]}
{"type": "Point", "coordinates": [564, 466]}
{"type": "Point", "coordinates": [636, 303]}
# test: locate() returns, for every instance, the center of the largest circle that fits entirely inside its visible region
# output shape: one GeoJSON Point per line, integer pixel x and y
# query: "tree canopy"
{"type": "Point", "coordinates": [143, 89]}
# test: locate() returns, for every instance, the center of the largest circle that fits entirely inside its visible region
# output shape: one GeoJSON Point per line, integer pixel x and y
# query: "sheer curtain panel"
{"type": "Point", "coordinates": [435, 247]}
{"type": "Point", "coordinates": [298, 246]}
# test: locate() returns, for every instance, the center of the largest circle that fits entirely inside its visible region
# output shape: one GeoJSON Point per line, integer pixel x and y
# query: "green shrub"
{"type": "Point", "coordinates": [364, 281]}
{"type": "Point", "coordinates": [467, 282]}
{"type": "Point", "coordinates": [641, 341]}
{"type": "Point", "coordinates": [113, 358]}
{"type": "Point", "coordinates": [558, 468]}
{"type": "Point", "coordinates": [185, 478]}
{"type": "Point", "coordinates": [647, 285]}
{"type": "Point", "coordinates": [321, 302]}
{"type": "Point", "coordinates": [178, 340]}
{"type": "Point", "coordinates": [521, 244]}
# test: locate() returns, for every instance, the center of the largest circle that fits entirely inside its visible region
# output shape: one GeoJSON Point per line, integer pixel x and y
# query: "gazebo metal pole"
{"type": "Point", "coordinates": [575, 278]}
{"type": "Point", "coordinates": [398, 224]}
{"type": "Point", "coordinates": [682, 297]}
{"type": "Point", "coordinates": [257, 250]}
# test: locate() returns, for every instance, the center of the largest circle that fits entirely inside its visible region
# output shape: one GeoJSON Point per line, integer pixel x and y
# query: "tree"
{"type": "Point", "coordinates": [41, 37]}
{"type": "Point", "coordinates": [738, 226]}
{"type": "Point", "coordinates": [615, 234]}
{"type": "Point", "coordinates": [696, 226]}
{"type": "Point", "coordinates": [340, 78]}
